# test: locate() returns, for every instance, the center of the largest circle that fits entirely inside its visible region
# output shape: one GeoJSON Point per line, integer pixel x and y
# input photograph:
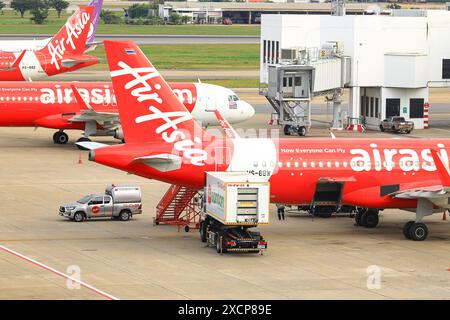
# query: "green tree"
{"type": "Point", "coordinates": [185, 19]}
{"type": "Point", "coordinates": [21, 6]}
{"type": "Point", "coordinates": [59, 5]}
{"type": "Point", "coordinates": [109, 17]}
{"type": "Point", "coordinates": [175, 18]}
{"type": "Point", "coordinates": [138, 11]}
{"type": "Point", "coordinates": [39, 11]}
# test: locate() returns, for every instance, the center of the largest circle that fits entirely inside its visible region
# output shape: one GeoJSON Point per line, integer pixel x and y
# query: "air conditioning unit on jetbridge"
{"type": "Point", "coordinates": [301, 75]}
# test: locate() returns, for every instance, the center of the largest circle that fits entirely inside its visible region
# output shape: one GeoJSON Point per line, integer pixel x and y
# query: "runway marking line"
{"type": "Point", "coordinates": [59, 273]}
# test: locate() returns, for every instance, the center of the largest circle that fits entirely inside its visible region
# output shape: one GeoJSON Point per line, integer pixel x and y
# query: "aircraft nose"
{"type": "Point", "coordinates": [247, 110]}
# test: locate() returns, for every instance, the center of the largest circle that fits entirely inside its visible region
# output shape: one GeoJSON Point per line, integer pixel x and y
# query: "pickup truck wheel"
{"type": "Point", "coordinates": [78, 216]}
{"type": "Point", "coordinates": [381, 128]}
{"type": "Point", "coordinates": [125, 215]}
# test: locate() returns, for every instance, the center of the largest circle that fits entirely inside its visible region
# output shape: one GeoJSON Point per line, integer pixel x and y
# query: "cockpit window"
{"type": "Point", "coordinates": [233, 97]}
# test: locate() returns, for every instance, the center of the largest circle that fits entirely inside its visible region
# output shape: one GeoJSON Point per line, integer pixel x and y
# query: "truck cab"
{"type": "Point", "coordinates": [118, 202]}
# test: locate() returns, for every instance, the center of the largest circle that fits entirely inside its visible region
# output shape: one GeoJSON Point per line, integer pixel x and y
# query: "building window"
{"type": "Point", "coordinates": [367, 106]}
{"type": "Point", "coordinates": [392, 107]}
{"type": "Point", "coordinates": [264, 51]}
{"type": "Point", "coordinates": [445, 68]}
{"type": "Point", "coordinates": [363, 111]}
{"type": "Point", "coordinates": [377, 110]}
{"type": "Point", "coordinates": [277, 50]}
{"type": "Point", "coordinates": [371, 107]}
{"type": "Point", "coordinates": [416, 108]}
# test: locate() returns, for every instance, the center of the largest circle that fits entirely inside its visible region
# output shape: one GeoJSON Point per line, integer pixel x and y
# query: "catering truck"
{"type": "Point", "coordinates": [234, 202]}
{"type": "Point", "coordinates": [118, 202]}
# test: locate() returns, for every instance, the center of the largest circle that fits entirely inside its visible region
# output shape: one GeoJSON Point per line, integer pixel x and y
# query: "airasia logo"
{"type": "Point", "coordinates": [407, 159]}
{"type": "Point", "coordinates": [95, 210]}
{"type": "Point", "coordinates": [74, 28]}
{"type": "Point", "coordinates": [169, 130]}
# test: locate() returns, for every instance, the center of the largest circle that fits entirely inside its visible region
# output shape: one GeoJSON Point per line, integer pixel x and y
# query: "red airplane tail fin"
{"type": "Point", "coordinates": [71, 38]}
{"type": "Point", "coordinates": [149, 110]}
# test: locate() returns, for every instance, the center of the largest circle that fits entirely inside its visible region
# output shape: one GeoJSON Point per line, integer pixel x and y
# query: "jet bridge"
{"type": "Point", "coordinates": [301, 75]}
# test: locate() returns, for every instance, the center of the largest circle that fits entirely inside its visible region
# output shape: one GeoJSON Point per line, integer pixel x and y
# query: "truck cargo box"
{"type": "Point", "coordinates": [236, 198]}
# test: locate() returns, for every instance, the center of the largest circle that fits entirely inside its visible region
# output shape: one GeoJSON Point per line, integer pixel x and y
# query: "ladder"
{"type": "Point", "coordinates": [178, 207]}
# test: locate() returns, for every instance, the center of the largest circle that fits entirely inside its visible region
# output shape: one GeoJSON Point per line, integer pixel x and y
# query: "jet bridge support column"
{"type": "Point", "coordinates": [354, 119]}
{"type": "Point", "coordinates": [337, 121]}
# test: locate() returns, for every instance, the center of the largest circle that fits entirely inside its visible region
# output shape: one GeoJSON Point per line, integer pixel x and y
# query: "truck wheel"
{"type": "Point", "coordinates": [221, 243]}
{"type": "Point", "coordinates": [202, 231]}
{"type": "Point", "coordinates": [381, 128]}
{"type": "Point", "coordinates": [125, 215]}
{"type": "Point", "coordinates": [78, 216]}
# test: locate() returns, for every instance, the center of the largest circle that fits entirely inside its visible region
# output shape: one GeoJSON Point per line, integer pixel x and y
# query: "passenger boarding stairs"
{"type": "Point", "coordinates": [178, 207]}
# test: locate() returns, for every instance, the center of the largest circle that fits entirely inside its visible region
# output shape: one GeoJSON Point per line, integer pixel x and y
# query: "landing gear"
{"type": "Point", "coordinates": [60, 137]}
{"type": "Point", "coordinates": [367, 217]}
{"type": "Point", "coordinates": [290, 130]}
{"type": "Point", "coordinates": [82, 139]}
{"type": "Point", "coordinates": [406, 228]}
{"type": "Point", "coordinates": [415, 231]}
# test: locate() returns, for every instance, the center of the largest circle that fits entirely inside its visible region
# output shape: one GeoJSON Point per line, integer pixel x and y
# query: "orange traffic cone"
{"type": "Point", "coordinates": [444, 216]}
{"type": "Point", "coordinates": [80, 160]}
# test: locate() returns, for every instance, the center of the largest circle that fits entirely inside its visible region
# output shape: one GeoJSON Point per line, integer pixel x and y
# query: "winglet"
{"type": "Point", "coordinates": [80, 99]}
{"type": "Point", "coordinates": [441, 168]}
{"type": "Point", "coordinates": [227, 128]}
{"type": "Point", "coordinates": [19, 59]}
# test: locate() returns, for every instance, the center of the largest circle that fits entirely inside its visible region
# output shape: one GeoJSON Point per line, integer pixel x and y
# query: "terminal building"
{"type": "Point", "coordinates": [387, 62]}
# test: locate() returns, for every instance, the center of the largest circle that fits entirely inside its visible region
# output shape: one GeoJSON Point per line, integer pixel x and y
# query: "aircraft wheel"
{"type": "Point", "coordinates": [358, 216]}
{"type": "Point", "coordinates": [369, 219]}
{"type": "Point", "coordinates": [286, 130]}
{"type": "Point", "coordinates": [60, 137]}
{"type": "Point", "coordinates": [418, 231]}
{"type": "Point", "coordinates": [301, 131]}
{"type": "Point", "coordinates": [406, 228]}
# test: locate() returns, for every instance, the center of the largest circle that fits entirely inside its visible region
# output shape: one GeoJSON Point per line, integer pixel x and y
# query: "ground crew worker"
{"type": "Point", "coordinates": [280, 209]}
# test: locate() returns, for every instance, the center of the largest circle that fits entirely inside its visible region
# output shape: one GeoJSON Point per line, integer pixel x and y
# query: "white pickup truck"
{"type": "Point", "coordinates": [118, 202]}
{"type": "Point", "coordinates": [397, 124]}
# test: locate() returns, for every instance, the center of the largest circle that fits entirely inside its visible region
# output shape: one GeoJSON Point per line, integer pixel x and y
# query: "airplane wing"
{"type": "Point", "coordinates": [161, 162]}
{"type": "Point", "coordinates": [72, 60]}
{"type": "Point", "coordinates": [439, 194]}
{"type": "Point", "coordinates": [107, 120]}
{"type": "Point", "coordinates": [16, 63]}
{"type": "Point", "coordinates": [227, 128]}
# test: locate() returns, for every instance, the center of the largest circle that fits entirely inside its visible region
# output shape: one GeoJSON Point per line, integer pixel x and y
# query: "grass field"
{"type": "Point", "coordinates": [11, 23]}
{"type": "Point", "coordinates": [197, 56]}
